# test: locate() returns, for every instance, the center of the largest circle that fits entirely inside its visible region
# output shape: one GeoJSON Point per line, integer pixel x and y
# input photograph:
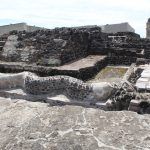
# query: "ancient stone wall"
{"type": "Point", "coordinates": [125, 48]}
{"type": "Point", "coordinates": [48, 47]}
{"type": "Point", "coordinates": [83, 74]}
{"type": "Point", "coordinates": [62, 45]}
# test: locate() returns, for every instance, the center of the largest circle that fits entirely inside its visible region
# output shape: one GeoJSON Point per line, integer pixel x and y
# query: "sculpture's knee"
{"type": "Point", "coordinates": [8, 81]}
{"type": "Point", "coordinates": [102, 91]}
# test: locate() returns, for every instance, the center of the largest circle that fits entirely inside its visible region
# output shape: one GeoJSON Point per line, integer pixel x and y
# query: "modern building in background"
{"type": "Point", "coordinates": [120, 27]}
{"type": "Point", "coordinates": [109, 28]}
{"type": "Point", "coordinates": [148, 29]}
{"type": "Point", "coordinates": [19, 27]}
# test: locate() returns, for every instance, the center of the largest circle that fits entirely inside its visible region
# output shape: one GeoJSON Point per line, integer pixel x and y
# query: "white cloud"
{"type": "Point", "coordinates": [57, 13]}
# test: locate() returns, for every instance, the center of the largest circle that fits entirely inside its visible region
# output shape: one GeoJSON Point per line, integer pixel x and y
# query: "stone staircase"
{"type": "Point", "coordinates": [2, 43]}
{"type": "Point", "coordinates": [3, 40]}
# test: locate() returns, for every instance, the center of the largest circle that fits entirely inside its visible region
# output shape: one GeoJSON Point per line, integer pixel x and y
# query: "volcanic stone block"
{"type": "Point", "coordinates": [134, 105]}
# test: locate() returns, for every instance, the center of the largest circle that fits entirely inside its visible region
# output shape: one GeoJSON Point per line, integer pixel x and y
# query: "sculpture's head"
{"type": "Point", "coordinates": [102, 90]}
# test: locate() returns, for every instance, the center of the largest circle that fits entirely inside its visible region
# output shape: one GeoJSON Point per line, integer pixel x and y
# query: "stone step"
{"type": "Point", "coordinates": [3, 39]}
{"type": "Point", "coordinates": [134, 105]}
{"type": "Point", "coordinates": [2, 43]}
{"type": "Point", "coordinates": [1, 48]}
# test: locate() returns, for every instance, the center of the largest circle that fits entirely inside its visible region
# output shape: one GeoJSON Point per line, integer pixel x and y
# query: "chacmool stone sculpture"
{"type": "Point", "coordinates": [60, 52]}
{"type": "Point", "coordinates": [71, 87]}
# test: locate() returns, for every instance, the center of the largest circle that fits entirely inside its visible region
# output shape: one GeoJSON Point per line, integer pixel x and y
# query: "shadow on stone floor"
{"type": "Point", "coordinates": [51, 102]}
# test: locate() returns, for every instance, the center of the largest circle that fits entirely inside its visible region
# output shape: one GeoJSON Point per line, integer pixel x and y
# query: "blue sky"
{"type": "Point", "coordinates": [58, 13]}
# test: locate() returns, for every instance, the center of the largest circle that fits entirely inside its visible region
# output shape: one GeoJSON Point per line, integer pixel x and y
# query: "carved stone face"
{"type": "Point", "coordinates": [102, 91]}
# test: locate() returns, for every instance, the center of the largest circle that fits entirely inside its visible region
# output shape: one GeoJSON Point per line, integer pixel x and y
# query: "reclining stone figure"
{"type": "Point", "coordinates": [69, 86]}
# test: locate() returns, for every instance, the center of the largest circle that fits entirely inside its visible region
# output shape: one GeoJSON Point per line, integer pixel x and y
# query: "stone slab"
{"type": "Point", "coordinates": [88, 61]}
{"type": "Point", "coordinates": [143, 79]}
{"type": "Point", "coordinates": [148, 86]}
{"type": "Point", "coordinates": [141, 85]}
{"type": "Point", "coordinates": [145, 75]}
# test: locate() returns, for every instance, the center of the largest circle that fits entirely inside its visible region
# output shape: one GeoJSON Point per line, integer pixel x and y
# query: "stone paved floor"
{"type": "Point", "coordinates": [88, 61]}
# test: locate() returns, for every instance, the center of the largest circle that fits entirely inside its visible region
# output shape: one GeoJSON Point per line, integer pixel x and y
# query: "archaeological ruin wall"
{"type": "Point", "coordinates": [46, 47]}
{"type": "Point", "coordinates": [59, 46]}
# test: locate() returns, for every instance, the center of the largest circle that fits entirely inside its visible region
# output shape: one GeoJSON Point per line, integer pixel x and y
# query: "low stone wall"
{"type": "Point", "coordinates": [121, 60]}
{"type": "Point", "coordinates": [84, 73]}
{"type": "Point", "coordinates": [131, 70]}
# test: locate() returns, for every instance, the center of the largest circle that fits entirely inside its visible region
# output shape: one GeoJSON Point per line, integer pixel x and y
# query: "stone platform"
{"type": "Point", "coordinates": [84, 68]}
{"type": "Point", "coordinates": [89, 61]}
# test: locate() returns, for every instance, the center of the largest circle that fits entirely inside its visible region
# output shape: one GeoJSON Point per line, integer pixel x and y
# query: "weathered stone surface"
{"type": "Point", "coordinates": [34, 125]}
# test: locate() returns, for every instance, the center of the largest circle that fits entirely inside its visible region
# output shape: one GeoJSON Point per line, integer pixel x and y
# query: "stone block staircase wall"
{"type": "Point", "coordinates": [125, 48]}
{"type": "Point", "coordinates": [3, 40]}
